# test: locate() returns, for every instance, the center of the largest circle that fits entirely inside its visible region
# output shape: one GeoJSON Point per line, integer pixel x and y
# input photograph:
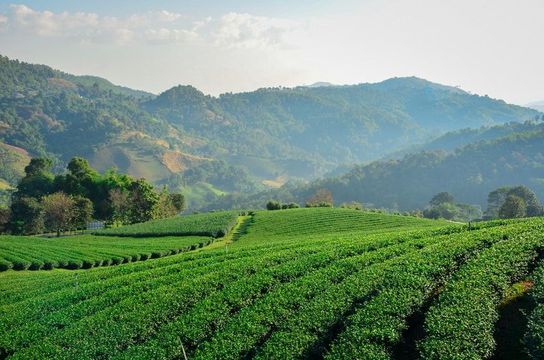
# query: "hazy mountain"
{"type": "Point", "coordinates": [469, 173]}
{"type": "Point", "coordinates": [304, 132]}
{"type": "Point", "coordinates": [277, 134]}
{"type": "Point", "coordinates": [320, 84]}
{"type": "Point", "coordinates": [459, 138]}
{"type": "Point", "coordinates": [537, 105]}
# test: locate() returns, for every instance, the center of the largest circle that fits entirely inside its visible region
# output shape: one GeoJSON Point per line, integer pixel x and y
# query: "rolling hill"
{"type": "Point", "coordinates": [468, 163]}
{"type": "Point", "coordinates": [262, 138]}
{"type": "Point", "coordinates": [469, 173]}
{"type": "Point", "coordinates": [294, 284]}
{"type": "Point", "coordinates": [305, 131]}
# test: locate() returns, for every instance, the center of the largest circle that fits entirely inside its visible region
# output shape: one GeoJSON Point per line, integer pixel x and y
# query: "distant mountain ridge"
{"type": "Point", "coordinates": [273, 133]}
{"type": "Point", "coordinates": [317, 128]}
{"type": "Point", "coordinates": [507, 155]}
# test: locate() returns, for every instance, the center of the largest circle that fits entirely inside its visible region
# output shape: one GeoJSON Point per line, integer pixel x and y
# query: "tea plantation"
{"type": "Point", "coordinates": [290, 284]}
{"type": "Point", "coordinates": [115, 246]}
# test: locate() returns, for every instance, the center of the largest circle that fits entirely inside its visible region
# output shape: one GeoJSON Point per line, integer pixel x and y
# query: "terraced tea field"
{"type": "Point", "coordinates": [293, 284]}
{"type": "Point", "coordinates": [115, 246]}
{"type": "Point", "coordinates": [87, 251]}
{"type": "Point", "coordinates": [215, 224]}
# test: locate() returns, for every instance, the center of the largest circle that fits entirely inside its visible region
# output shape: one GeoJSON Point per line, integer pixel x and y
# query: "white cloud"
{"type": "Point", "coordinates": [90, 27]}
{"type": "Point", "coordinates": [164, 35]}
{"type": "Point", "coordinates": [232, 30]}
{"type": "Point", "coordinates": [247, 31]}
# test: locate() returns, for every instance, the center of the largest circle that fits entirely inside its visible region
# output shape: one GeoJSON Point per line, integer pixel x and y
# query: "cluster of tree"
{"type": "Point", "coordinates": [276, 205]}
{"type": "Point", "coordinates": [513, 202]}
{"type": "Point", "coordinates": [503, 203]}
{"type": "Point", "coordinates": [45, 202]}
{"type": "Point", "coordinates": [443, 206]}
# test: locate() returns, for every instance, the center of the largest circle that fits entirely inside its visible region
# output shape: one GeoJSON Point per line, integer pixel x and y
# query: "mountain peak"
{"type": "Point", "coordinates": [414, 82]}
{"type": "Point", "coordinates": [320, 84]}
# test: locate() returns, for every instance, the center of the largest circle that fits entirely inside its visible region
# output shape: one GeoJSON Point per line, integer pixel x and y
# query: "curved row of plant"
{"type": "Point", "coordinates": [286, 297]}
{"type": "Point", "coordinates": [334, 221]}
{"type": "Point", "coordinates": [534, 338]}
{"type": "Point", "coordinates": [216, 224]}
{"type": "Point", "coordinates": [369, 312]}
{"type": "Point", "coordinates": [108, 310]}
{"type": "Point", "coordinates": [87, 251]}
{"type": "Point", "coordinates": [247, 310]}
{"type": "Point", "coordinates": [461, 324]}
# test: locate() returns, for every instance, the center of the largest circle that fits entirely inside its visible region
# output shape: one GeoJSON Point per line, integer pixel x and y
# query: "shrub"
{"type": "Point", "coordinates": [273, 205]}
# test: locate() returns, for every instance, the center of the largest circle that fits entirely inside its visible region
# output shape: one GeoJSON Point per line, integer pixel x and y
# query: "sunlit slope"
{"type": "Point", "coordinates": [320, 221]}
{"type": "Point", "coordinates": [286, 288]}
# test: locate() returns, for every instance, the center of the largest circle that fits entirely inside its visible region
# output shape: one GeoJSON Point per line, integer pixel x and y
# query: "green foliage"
{"type": "Point", "coordinates": [443, 206]}
{"type": "Point", "coordinates": [215, 224]}
{"type": "Point", "coordinates": [276, 205]}
{"type": "Point", "coordinates": [143, 200]}
{"type": "Point", "coordinates": [83, 212]}
{"type": "Point", "coordinates": [534, 337]}
{"type": "Point", "coordinates": [26, 216]}
{"type": "Point", "coordinates": [469, 173]}
{"type": "Point", "coordinates": [273, 205]}
{"type": "Point", "coordinates": [303, 132]}
{"type": "Point", "coordinates": [461, 323]}
{"type": "Point", "coordinates": [303, 283]}
{"type": "Point", "coordinates": [513, 207]}
{"type": "Point", "coordinates": [442, 198]}
{"type": "Point", "coordinates": [86, 251]}
{"type": "Point", "coordinates": [512, 202]}
{"type": "Point", "coordinates": [72, 199]}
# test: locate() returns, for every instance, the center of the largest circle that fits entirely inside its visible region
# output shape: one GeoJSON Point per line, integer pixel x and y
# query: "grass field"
{"type": "Point", "coordinates": [292, 284]}
{"type": "Point", "coordinates": [215, 224]}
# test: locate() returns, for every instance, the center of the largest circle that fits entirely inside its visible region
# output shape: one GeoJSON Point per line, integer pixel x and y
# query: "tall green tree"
{"type": "Point", "coordinates": [442, 198]}
{"type": "Point", "coordinates": [498, 197]}
{"type": "Point", "coordinates": [38, 179]}
{"type": "Point", "coordinates": [59, 212]}
{"type": "Point", "coordinates": [513, 207]}
{"type": "Point", "coordinates": [83, 212]}
{"type": "Point", "coordinates": [143, 199]}
{"type": "Point", "coordinates": [26, 216]}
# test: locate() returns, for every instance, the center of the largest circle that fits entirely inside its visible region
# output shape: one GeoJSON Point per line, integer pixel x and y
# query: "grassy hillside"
{"type": "Point", "coordinates": [209, 224]}
{"type": "Point", "coordinates": [12, 163]}
{"type": "Point", "coordinates": [286, 288]}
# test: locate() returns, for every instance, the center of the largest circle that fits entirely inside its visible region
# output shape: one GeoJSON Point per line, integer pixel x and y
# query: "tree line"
{"type": "Point", "coordinates": [44, 202]}
{"type": "Point", "coordinates": [506, 202]}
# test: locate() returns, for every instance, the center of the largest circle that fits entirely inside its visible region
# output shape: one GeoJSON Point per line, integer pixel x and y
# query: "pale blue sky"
{"type": "Point", "coordinates": [484, 46]}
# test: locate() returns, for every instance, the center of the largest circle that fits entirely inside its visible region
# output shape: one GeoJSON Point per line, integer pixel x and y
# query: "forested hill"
{"type": "Point", "coordinates": [306, 130]}
{"type": "Point", "coordinates": [459, 138]}
{"type": "Point", "coordinates": [276, 134]}
{"type": "Point", "coordinates": [469, 173]}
